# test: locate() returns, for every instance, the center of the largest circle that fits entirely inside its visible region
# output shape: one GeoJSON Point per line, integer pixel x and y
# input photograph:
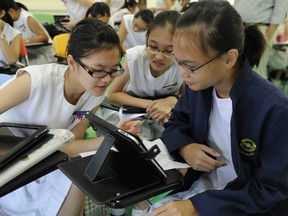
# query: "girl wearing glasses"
{"type": "Point", "coordinates": [58, 95]}
{"type": "Point", "coordinates": [230, 125]}
{"type": "Point", "coordinates": [151, 79]}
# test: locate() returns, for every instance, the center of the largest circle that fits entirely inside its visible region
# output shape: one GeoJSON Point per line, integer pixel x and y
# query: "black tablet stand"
{"type": "Point", "coordinates": [109, 177]}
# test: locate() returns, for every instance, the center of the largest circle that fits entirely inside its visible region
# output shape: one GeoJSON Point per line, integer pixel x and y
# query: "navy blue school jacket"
{"type": "Point", "coordinates": [259, 119]}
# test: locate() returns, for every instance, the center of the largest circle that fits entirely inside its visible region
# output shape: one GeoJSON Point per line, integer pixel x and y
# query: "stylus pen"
{"type": "Point", "coordinates": [149, 203]}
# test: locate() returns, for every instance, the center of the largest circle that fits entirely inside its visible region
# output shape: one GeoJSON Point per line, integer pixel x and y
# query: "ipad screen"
{"type": "Point", "coordinates": [11, 136]}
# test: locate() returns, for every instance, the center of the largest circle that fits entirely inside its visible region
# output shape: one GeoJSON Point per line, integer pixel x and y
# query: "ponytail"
{"type": "Point", "coordinates": [254, 45]}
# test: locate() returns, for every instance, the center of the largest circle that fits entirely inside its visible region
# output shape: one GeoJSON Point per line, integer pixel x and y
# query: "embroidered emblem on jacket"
{"type": "Point", "coordinates": [247, 147]}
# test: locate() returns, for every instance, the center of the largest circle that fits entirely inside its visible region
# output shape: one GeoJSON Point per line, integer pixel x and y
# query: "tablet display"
{"type": "Point", "coordinates": [18, 139]}
{"type": "Point", "coordinates": [128, 144]}
{"type": "Point", "coordinates": [11, 136]}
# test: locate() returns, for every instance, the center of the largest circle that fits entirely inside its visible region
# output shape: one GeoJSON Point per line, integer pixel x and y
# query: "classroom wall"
{"type": "Point", "coordinates": [56, 7]}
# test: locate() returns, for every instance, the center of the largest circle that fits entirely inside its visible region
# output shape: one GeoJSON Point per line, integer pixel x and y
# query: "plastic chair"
{"type": "Point", "coordinates": [60, 43]}
{"type": "Point", "coordinates": [44, 18]}
{"type": "Point", "coordinates": [23, 53]}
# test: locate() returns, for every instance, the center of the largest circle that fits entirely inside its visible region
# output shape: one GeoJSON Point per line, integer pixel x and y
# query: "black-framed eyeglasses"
{"type": "Point", "coordinates": [155, 51]}
{"type": "Point", "coordinates": [101, 73]}
{"type": "Point", "coordinates": [192, 69]}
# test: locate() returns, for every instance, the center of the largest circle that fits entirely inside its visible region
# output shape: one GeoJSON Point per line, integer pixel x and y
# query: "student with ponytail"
{"type": "Point", "coordinates": [230, 125]}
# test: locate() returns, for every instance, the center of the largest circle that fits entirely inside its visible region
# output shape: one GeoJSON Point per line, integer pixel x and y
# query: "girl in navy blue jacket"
{"type": "Point", "coordinates": [230, 125]}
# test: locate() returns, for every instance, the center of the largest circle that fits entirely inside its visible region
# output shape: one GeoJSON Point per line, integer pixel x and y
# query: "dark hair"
{"type": "Point", "coordinates": [129, 3]}
{"type": "Point", "coordinates": [222, 29]}
{"type": "Point", "coordinates": [5, 5]}
{"type": "Point", "coordinates": [98, 9]}
{"type": "Point", "coordinates": [146, 15]}
{"type": "Point", "coordinates": [164, 19]}
{"type": "Point", "coordinates": [13, 5]}
{"type": "Point", "coordinates": [90, 36]}
{"type": "Point", "coordinates": [20, 5]}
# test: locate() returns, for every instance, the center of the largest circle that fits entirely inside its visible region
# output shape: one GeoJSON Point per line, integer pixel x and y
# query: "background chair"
{"type": "Point", "coordinates": [23, 53]}
{"type": "Point", "coordinates": [60, 43]}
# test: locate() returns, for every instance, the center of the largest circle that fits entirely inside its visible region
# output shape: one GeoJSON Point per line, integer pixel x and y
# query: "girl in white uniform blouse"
{"type": "Point", "coordinates": [151, 80]}
{"type": "Point", "coordinates": [32, 32]}
{"type": "Point", "coordinates": [55, 95]}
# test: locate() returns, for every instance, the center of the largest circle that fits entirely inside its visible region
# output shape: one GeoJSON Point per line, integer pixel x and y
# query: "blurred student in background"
{"type": "Point", "coordinates": [99, 11]}
{"type": "Point", "coordinates": [76, 10]}
{"type": "Point", "coordinates": [32, 32]}
{"type": "Point", "coordinates": [133, 28]}
{"type": "Point", "coordinates": [268, 15]}
{"type": "Point", "coordinates": [115, 5]}
{"type": "Point", "coordinates": [10, 38]}
{"type": "Point", "coordinates": [162, 5]}
{"type": "Point", "coordinates": [129, 7]}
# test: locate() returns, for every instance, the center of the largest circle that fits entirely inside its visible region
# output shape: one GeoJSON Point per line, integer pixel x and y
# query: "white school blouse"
{"type": "Point", "coordinates": [37, 55]}
{"type": "Point", "coordinates": [46, 105]}
{"type": "Point", "coordinates": [142, 83]}
{"type": "Point", "coordinates": [9, 33]}
{"type": "Point", "coordinates": [132, 38]}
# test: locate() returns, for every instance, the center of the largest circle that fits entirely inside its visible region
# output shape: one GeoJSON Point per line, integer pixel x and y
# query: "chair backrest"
{"type": "Point", "coordinates": [44, 18]}
{"type": "Point", "coordinates": [60, 43]}
{"type": "Point", "coordinates": [23, 53]}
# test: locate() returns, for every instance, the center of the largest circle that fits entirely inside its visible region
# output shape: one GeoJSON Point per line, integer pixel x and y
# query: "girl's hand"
{"type": "Point", "coordinates": [159, 111]}
{"type": "Point", "coordinates": [130, 125]}
{"type": "Point", "coordinates": [181, 208]}
{"type": "Point", "coordinates": [201, 157]}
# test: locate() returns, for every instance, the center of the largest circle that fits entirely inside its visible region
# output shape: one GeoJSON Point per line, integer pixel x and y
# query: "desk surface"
{"type": "Point", "coordinates": [38, 44]}
{"type": "Point", "coordinates": [282, 43]}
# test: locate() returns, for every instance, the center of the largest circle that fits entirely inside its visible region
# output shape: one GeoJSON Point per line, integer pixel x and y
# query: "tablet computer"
{"type": "Point", "coordinates": [120, 178]}
{"type": "Point", "coordinates": [130, 145]}
{"type": "Point", "coordinates": [125, 109]}
{"type": "Point", "coordinates": [17, 140]}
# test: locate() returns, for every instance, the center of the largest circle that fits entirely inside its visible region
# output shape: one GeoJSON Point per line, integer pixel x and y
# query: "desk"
{"type": "Point", "coordinates": [9, 70]}
{"type": "Point", "coordinates": [280, 45]}
{"type": "Point", "coordinates": [39, 44]}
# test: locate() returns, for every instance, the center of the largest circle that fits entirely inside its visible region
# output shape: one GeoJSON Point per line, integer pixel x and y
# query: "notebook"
{"type": "Point", "coordinates": [122, 177]}
{"type": "Point", "coordinates": [17, 140]}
